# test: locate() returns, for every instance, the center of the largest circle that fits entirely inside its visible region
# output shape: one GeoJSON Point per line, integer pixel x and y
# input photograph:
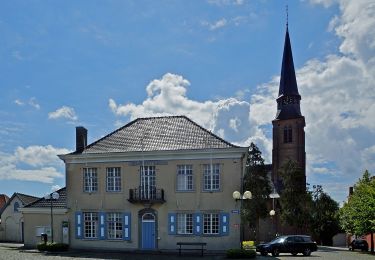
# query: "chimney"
{"type": "Point", "coordinates": [350, 191]}
{"type": "Point", "coordinates": [81, 138]}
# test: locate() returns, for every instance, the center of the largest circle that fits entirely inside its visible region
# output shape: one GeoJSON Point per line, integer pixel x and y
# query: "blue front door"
{"type": "Point", "coordinates": [148, 231]}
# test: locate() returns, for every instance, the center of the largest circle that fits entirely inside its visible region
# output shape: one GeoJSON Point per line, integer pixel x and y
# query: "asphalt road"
{"type": "Point", "coordinates": [16, 252]}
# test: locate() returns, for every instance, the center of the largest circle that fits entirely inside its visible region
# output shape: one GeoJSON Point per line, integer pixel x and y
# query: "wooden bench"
{"type": "Point", "coordinates": [191, 245]}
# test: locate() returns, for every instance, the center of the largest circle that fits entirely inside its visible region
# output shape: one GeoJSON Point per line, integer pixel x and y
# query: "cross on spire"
{"type": "Point", "coordinates": [287, 16]}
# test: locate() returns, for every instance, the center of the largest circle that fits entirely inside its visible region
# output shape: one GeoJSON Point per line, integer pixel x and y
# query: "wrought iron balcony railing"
{"type": "Point", "coordinates": [146, 195]}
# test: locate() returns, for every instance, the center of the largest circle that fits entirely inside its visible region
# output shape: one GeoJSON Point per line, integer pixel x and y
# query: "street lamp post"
{"type": "Point", "coordinates": [274, 195]}
{"type": "Point", "coordinates": [245, 196]}
{"type": "Point", "coordinates": [51, 197]}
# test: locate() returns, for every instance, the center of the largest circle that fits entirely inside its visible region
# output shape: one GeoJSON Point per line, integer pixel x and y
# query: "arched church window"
{"type": "Point", "coordinates": [16, 206]}
{"type": "Point", "coordinates": [288, 134]}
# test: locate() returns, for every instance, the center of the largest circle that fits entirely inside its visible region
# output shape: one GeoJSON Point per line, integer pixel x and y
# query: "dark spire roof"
{"type": "Point", "coordinates": [288, 82]}
{"type": "Point", "coordinates": [288, 102]}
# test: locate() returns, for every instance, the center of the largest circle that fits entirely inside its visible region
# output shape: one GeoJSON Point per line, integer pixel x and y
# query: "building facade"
{"type": "Point", "coordinates": [12, 222]}
{"type": "Point", "coordinates": [152, 183]}
{"type": "Point", "coordinates": [37, 220]}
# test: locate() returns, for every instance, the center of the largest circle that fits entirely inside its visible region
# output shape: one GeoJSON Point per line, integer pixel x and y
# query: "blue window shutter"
{"type": "Point", "coordinates": [102, 226]}
{"type": "Point", "coordinates": [224, 224]}
{"type": "Point", "coordinates": [127, 226]}
{"type": "Point", "coordinates": [79, 224]}
{"type": "Point", "coordinates": [172, 223]}
{"type": "Point", "coordinates": [198, 220]}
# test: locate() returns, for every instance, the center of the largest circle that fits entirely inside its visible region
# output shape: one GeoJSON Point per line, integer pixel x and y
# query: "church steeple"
{"type": "Point", "coordinates": [288, 134]}
{"type": "Point", "coordinates": [288, 101]}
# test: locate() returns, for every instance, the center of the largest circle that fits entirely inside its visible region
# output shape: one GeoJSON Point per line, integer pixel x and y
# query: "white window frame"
{"type": "Point", "coordinates": [185, 177]}
{"type": "Point", "coordinates": [184, 223]}
{"type": "Point", "coordinates": [211, 177]}
{"type": "Point", "coordinates": [91, 224]}
{"type": "Point", "coordinates": [211, 223]}
{"type": "Point", "coordinates": [115, 228]}
{"type": "Point", "coordinates": [148, 181]}
{"type": "Point", "coordinates": [113, 179]}
{"type": "Point", "coordinates": [90, 179]}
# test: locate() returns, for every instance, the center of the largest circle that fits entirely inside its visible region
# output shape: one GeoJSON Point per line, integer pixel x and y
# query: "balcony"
{"type": "Point", "coordinates": [146, 195]}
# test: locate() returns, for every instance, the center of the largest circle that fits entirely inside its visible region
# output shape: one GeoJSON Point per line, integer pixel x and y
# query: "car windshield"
{"type": "Point", "coordinates": [278, 240]}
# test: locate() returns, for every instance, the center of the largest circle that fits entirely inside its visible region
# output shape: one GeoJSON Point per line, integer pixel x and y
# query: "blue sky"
{"type": "Point", "coordinates": [101, 64]}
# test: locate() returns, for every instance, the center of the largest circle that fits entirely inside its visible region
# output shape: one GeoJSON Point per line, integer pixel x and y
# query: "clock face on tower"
{"type": "Point", "coordinates": [288, 100]}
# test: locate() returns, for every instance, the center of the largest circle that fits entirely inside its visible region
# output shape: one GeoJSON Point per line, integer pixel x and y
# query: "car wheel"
{"type": "Point", "coordinates": [294, 253]}
{"type": "Point", "coordinates": [307, 252]}
{"type": "Point", "coordinates": [275, 252]}
{"type": "Point", "coordinates": [264, 253]}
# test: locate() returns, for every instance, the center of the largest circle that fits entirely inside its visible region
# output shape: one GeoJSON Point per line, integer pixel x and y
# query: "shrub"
{"type": "Point", "coordinates": [241, 253]}
{"type": "Point", "coordinates": [52, 247]}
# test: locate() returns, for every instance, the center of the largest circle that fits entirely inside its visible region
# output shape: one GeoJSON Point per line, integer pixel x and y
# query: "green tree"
{"type": "Point", "coordinates": [257, 182]}
{"type": "Point", "coordinates": [324, 216]}
{"type": "Point", "coordinates": [357, 216]}
{"type": "Point", "coordinates": [295, 201]}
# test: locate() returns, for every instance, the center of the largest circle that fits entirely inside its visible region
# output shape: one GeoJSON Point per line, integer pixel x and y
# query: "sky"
{"type": "Point", "coordinates": [101, 64]}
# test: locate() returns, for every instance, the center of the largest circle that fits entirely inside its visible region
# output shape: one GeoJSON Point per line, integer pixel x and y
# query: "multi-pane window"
{"type": "Point", "coordinates": [184, 177]}
{"type": "Point", "coordinates": [211, 223]}
{"type": "Point", "coordinates": [211, 177]}
{"type": "Point", "coordinates": [114, 179]}
{"type": "Point", "coordinates": [184, 223]}
{"type": "Point", "coordinates": [90, 180]}
{"type": "Point", "coordinates": [148, 186]}
{"type": "Point", "coordinates": [114, 226]}
{"type": "Point", "coordinates": [288, 134]}
{"type": "Point", "coordinates": [90, 224]}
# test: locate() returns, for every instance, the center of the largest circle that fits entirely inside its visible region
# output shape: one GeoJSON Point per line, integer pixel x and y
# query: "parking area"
{"type": "Point", "coordinates": [10, 251]}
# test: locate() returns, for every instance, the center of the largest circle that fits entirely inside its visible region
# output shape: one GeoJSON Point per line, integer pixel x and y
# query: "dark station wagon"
{"type": "Point", "coordinates": [358, 244]}
{"type": "Point", "coordinates": [293, 244]}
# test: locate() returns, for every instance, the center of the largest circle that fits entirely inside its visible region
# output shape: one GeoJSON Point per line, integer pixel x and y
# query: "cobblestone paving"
{"type": "Point", "coordinates": [16, 252]}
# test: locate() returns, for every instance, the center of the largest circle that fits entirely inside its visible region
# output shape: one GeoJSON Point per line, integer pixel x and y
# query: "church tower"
{"type": "Point", "coordinates": [288, 126]}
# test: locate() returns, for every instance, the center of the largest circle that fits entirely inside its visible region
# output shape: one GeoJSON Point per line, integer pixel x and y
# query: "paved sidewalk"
{"type": "Point", "coordinates": [16, 251]}
{"type": "Point", "coordinates": [9, 251]}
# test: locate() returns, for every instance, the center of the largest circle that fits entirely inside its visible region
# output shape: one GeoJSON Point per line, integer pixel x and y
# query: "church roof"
{"type": "Point", "coordinates": [158, 134]}
{"type": "Point", "coordinates": [288, 82]}
{"type": "Point", "coordinates": [24, 198]}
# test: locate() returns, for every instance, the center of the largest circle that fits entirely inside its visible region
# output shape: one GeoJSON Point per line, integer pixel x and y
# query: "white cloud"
{"type": "Point", "coordinates": [33, 163]}
{"type": "Point", "coordinates": [19, 102]}
{"type": "Point", "coordinates": [218, 24]}
{"type": "Point", "coordinates": [55, 188]}
{"type": "Point", "coordinates": [167, 96]}
{"type": "Point", "coordinates": [226, 2]}
{"type": "Point", "coordinates": [31, 102]}
{"type": "Point", "coordinates": [39, 155]}
{"type": "Point", "coordinates": [34, 103]}
{"type": "Point", "coordinates": [325, 3]}
{"type": "Point", "coordinates": [63, 112]}
{"type": "Point", "coordinates": [215, 25]}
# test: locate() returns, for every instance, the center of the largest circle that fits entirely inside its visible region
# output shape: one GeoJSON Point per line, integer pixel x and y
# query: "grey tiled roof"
{"type": "Point", "coordinates": [158, 134]}
{"type": "Point", "coordinates": [26, 199]}
{"type": "Point", "coordinates": [43, 203]}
